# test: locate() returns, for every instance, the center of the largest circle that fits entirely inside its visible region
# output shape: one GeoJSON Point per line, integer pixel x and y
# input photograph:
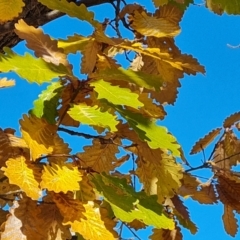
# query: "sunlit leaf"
{"type": "Point", "coordinates": [116, 94]}
{"type": "Point", "coordinates": [24, 175]}
{"type": "Point", "coordinates": [229, 221]}
{"type": "Point", "coordinates": [46, 104]}
{"type": "Point", "coordinates": [229, 121]}
{"type": "Point", "coordinates": [60, 178]}
{"type": "Point", "coordinates": [38, 134]}
{"type": "Point", "coordinates": [30, 68]}
{"type": "Point", "coordinates": [163, 234]}
{"type": "Point", "coordinates": [93, 116]}
{"type": "Point", "coordinates": [220, 6]}
{"type": "Point", "coordinates": [10, 9]}
{"type": "Point", "coordinates": [133, 205]}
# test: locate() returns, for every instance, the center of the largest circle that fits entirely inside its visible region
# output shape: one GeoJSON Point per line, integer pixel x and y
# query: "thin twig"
{"type": "Point", "coordinates": [133, 169]}
{"type": "Point", "coordinates": [134, 234]}
{"type": "Point", "coordinates": [73, 133]}
{"type": "Point", "coordinates": [204, 165]}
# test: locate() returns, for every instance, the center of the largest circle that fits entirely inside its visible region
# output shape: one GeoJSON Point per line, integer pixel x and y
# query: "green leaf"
{"type": "Point", "coordinates": [156, 136]}
{"type": "Point", "coordinates": [133, 205]}
{"type": "Point", "coordinates": [46, 104]}
{"type": "Point", "coordinates": [220, 6]}
{"type": "Point", "coordinates": [71, 9]}
{"type": "Point", "coordinates": [116, 94]}
{"type": "Point", "coordinates": [73, 43]}
{"type": "Point", "coordinates": [93, 116]}
{"type": "Point", "coordinates": [30, 68]}
{"type": "Point", "coordinates": [141, 79]}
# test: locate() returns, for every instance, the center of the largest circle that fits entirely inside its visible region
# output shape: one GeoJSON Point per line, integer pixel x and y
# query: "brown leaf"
{"type": "Point", "coordinates": [205, 141]}
{"type": "Point", "coordinates": [229, 121]}
{"type": "Point", "coordinates": [229, 220]}
{"type": "Point", "coordinates": [163, 234]}
{"type": "Point", "coordinates": [41, 43]}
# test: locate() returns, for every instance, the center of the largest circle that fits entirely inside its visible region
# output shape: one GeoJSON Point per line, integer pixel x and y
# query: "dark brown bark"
{"type": "Point", "coordinates": [35, 14]}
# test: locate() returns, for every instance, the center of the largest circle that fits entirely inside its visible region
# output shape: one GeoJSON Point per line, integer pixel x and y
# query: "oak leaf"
{"type": "Point", "coordinates": [10, 9]}
{"type": "Point", "coordinates": [24, 174]}
{"type": "Point", "coordinates": [205, 141]}
{"type": "Point", "coordinates": [163, 234]}
{"type": "Point", "coordinates": [42, 45]}
{"type": "Point", "coordinates": [38, 134]}
{"type": "Point", "coordinates": [231, 120]}
{"type": "Point", "coordinates": [60, 178]}
{"type": "Point", "coordinates": [229, 221]}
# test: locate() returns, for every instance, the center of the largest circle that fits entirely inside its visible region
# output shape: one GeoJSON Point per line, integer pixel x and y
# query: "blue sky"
{"type": "Point", "coordinates": [204, 101]}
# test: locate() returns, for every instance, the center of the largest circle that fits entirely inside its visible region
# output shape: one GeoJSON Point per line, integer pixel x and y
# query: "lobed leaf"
{"type": "Point", "coordinates": [93, 116]}
{"type": "Point", "coordinates": [205, 141]}
{"type": "Point", "coordinates": [30, 68]}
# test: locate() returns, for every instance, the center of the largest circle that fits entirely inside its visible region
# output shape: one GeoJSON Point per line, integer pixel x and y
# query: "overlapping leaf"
{"type": "Point", "coordinates": [116, 95]}
{"type": "Point", "coordinates": [46, 104]}
{"type": "Point", "coordinates": [30, 68]}
{"type": "Point", "coordinates": [220, 6]}
{"type": "Point", "coordinates": [133, 205]}
{"type": "Point", "coordinates": [25, 175]}
{"type": "Point", "coordinates": [38, 134]}
{"type": "Point", "coordinates": [42, 45]}
{"type": "Point", "coordinates": [60, 178]}
{"type": "Point", "coordinates": [93, 116]}
{"type": "Point", "coordinates": [163, 234]}
{"type": "Point", "coordinates": [10, 9]}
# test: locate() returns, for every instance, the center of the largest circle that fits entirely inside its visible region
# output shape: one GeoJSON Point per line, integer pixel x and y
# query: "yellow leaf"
{"type": "Point", "coordinates": [229, 220]}
{"type": "Point", "coordinates": [92, 226]}
{"type": "Point", "coordinates": [205, 141]}
{"type": "Point", "coordinates": [60, 178]}
{"type": "Point", "coordinates": [6, 83]}
{"type": "Point", "coordinates": [154, 26]}
{"type": "Point", "coordinates": [10, 9]}
{"type": "Point", "coordinates": [25, 175]}
{"type": "Point", "coordinates": [41, 43]}
{"type": "Point", "coordinates": [38, 134]}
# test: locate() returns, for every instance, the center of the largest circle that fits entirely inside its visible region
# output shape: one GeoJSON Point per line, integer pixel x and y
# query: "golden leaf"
{"type": "Point", "coordinates": [229, 220]}
{"type": "Point", "coordinates": [10, 9]}
{"type": "Point", "coordinates": [11, 146]}
{"type": "Point", "coordinates": [24, 174]}
{"type": "Point", "coordinates": [99, 156]}
{"type": "Point", "coordinates": [38, 134]}
{"type": "Point", "coordinates": [89, 56]}
{"type": "Point", "coordinates": [163, 234]}
{"type": "Point", "coordinates": [4, 82]}
{"type": "Point", "coordinates": [205, 141]}
{"type": "Point", "coordinates": [42, 45]}
{"type": "Point", "coordinates": [92, 226]}
{"type": "Point", "coordinates": [60, 177]}
{"type": "Point", "coordinates": [154, 26]}
{"type": "Point", "coordinates": [229, 121]}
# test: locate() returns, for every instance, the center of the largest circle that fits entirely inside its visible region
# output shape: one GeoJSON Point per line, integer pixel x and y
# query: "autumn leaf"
{"type": "Point", "coordinates": [10, 9]}
{"type": "Point", "coordinates": [229, 220]}
{"type": "Point", "coordinates": [38, 134]}
{"type": "Point", "coordinates": [205, 141]}
{"type": "Point", "coordinates": [60, 178]}
{"type": "Point", "coordinates": [42, 45]}
{"type": "Point", "coordinates": [30, 68]}
{"type": "Point", "coordinates": [229, 121]}
{"type": "Point", "coordinates": [115, 94]}
{"type": "Point", "coordinates": [80, 12]}
{"type": "Point", "coordinates": [220, 6]}
{"type": "Point", "coordinates": [4, 82]}
{"type": "Point", "coordinates": [93, 116]}
{"type": "Point", "coordinates": [25, 175]}
{"type": "Point", "coordinates": [163, 234]}
{"type": "Point", "coordinates": [133, 205]}
{"type": "Point", "coordinates": [46, 104]}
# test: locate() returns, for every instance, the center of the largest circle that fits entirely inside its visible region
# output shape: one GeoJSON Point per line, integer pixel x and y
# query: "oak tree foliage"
{"type": "Point", "coordinates": [50, 192]}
